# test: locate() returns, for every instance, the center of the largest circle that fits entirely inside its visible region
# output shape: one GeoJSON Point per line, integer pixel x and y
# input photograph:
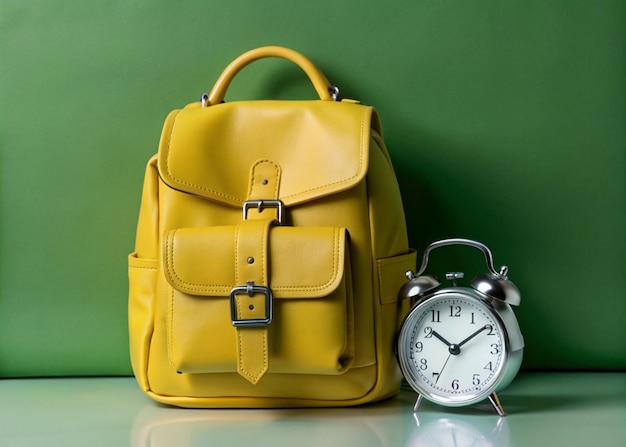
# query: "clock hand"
{"type": "Point", "coordinates": [442, 368]}
{"type": "Point", "coordinates": [436, 334]}
{"type": "Point", "coordinates": [484, 328]}
{"type": "Point", "coordinates": [453, 348]}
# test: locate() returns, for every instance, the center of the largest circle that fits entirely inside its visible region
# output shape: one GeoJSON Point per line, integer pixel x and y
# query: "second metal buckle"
{"type": "Point", "coordinates": [250, 289]}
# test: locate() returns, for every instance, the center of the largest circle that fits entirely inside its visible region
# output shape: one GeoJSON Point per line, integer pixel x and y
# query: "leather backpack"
{"type": "Point", "coordinates": [271, 246]}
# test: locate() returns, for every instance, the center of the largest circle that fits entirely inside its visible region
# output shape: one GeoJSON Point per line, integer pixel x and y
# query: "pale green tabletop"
{"type": "Point", "coordinates": [561, 409]}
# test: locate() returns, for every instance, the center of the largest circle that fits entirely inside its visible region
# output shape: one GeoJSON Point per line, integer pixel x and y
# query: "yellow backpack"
{"type": "Point", "coordinates": [271, 246]}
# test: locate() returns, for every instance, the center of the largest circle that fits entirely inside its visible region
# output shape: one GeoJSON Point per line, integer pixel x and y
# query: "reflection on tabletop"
{"type": "Point", "coordinates": [385, 424]}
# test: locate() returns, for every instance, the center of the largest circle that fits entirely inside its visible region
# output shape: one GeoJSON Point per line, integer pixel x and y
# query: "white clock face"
{"type": "Point", "coordinates": [452, 349]}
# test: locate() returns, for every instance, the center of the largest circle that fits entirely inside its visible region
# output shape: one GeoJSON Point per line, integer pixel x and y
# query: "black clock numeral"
{"type": "Point", "coordinates": [455, 311]}
{"type": "Point", "coordinates": [419, 346]}
{"type": "Point", "coordinates": [455, 384]}
{"type": "Point", "coordinates": [495, 349]}
{"type": "Point", "coordinates": [428, 331]}
{"type": "Point", "coordinates": [472, 322]}
{"type": "Point", "coordinates": [435, 316]}
{"type": "Point", "coordinates": [476, 379]}
{"type": "Point", "coordinates": [490, 329]}
{"type": "Point", "coordinates": [423, 364]}
{"type": "Point", "coordinates": [488, 367]}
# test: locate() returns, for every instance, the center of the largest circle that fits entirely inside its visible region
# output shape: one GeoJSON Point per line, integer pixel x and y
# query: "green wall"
{"type": "Point", "coordinates": [505, 120]}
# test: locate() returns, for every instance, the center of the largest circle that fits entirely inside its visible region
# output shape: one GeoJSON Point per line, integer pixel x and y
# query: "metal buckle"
{"type": "Point", "coordinates": [250, 289]}
{"type": "Point", "coordinates": [260, 205]}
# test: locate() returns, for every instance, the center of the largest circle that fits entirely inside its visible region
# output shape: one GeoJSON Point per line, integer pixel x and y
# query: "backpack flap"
{"type": "Point", "coordinates": [322, 147]}
{"type": "Point", "coordinates": [308, 271]}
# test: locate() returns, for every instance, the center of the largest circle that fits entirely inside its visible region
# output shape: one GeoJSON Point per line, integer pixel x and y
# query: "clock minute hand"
{"type": "Point", "coordinates": [484, 328]}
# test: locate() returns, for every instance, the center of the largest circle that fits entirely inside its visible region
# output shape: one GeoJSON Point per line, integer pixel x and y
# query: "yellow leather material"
{"type": "Point", "coordinates": [333, 268]}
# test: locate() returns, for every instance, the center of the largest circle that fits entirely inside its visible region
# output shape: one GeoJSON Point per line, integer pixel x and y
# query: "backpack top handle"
{"type": "Point", "coordinates": [324, 89]}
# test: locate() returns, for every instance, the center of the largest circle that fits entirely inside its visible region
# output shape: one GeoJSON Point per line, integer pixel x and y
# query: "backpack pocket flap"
{"type": "Point", "coordinates": [303, 262]}
{"type": "Point", "coordinates": [322, 148]}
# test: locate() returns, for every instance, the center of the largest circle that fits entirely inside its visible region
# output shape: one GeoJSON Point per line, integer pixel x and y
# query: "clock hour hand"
{"type": "Point", "coordinates": [484, 328]}
{"type": "Point", "coordinates": [453, 348]}
{"type": "Point", "coordinates": [436, 334]}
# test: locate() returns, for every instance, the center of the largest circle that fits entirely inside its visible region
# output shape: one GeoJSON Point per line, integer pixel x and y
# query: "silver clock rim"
{"type": "Point", "coordinates": [408, 370]}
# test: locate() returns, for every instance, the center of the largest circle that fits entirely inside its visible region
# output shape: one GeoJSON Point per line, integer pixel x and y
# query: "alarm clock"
{"type": "Point", "coordinates": [460, 345]}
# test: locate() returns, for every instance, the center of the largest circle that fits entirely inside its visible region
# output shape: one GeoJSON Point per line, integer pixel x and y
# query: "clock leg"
{"type": "Point", "coordinates": [417, 403]}
{"type": "Point", "coordinates": [495, 401]}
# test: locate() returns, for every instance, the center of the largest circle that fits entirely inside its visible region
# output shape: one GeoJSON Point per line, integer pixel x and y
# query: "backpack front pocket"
{"type": "Point", "coordinates": [307, 296]}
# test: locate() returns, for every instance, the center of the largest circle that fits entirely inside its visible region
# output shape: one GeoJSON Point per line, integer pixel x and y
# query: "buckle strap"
{"type": "Point", "coordinates": [263, 192]}
{"type": "Point", "coordinates": [251, 302]}
{"type": "Point", "coordinates": [264, 180]}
